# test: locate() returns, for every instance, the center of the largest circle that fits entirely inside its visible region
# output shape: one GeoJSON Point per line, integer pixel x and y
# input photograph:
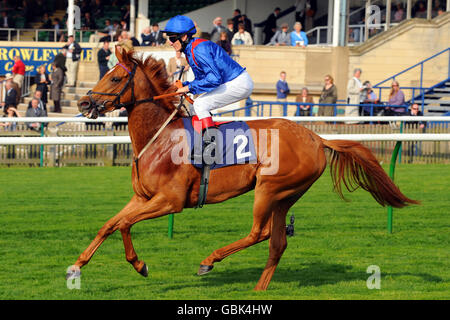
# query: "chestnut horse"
{"type": "Point", "coordinates": [162, 187]}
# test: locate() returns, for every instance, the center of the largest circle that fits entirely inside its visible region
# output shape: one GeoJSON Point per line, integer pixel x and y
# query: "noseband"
{"type": "Point", "coordinates": [116, 102]}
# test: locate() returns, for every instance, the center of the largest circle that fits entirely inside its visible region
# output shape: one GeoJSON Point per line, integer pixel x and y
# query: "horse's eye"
{"type": "Point", "coordinates": [115, 79]}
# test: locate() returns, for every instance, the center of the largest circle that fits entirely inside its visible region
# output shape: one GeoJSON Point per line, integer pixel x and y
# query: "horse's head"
{"type": "Point", "coordinates": [113, 91]}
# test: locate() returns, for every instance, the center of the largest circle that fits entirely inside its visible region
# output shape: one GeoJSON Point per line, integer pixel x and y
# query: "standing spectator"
{"type": "Point", "coordinates": [35, 111]}
{"type": "Point", "coordinates": [126, 13]}
{"type": "Point", "coordinates": [18, 71]}
{"type": "Point", "coordinates": [224, 43]}
{"type": "Point", "coordinates": [10, 96]}
{"type": "Point", "coordinates": [242, 37]}
{"type": "Point", "coordinates": [396, 98]}
{"type": "Point", "coordinates": [230, 32]}
{"type": "Point", "coordinates": [298, 37]}
{"type": "Point", "coordinates": [328, 96]}
{"type": "Point", "coordinates": [156, 37]}
{"type": "Point", "coordinates": [217, 30]}
{"type": "Point", "coordinates": [56, 87]}
{"type": "Point", "coordinates": [73, 55]}
{"type": "Point", "coordinates": [354, 90]}
{"type": "Point", "coordinates": [60, 59]}
{"type": "Point", "coordinates": [247, 24]}
{"type": "Point", "coordinates": [415, 147]}
{"type": "Point", "coordinates": [282, 87]}
{"type": "Point", "coordinates": [236, 18]}
{"type": "Point", "coordinates": [305, 11]}
{"type": "Point", "coordinates": [281, 37]}
{"type": "Point", "coordinates": [304, 110]}
{"type": "Point", "coordinates": [42, 80]}
{"type": "Point", "coordinates": [271, 25]}
{"type": "Point", "coordinates": [146, 36]}
{"type": "Point", "coordinates": [413, 112]}
{"type": "Point", "coordinates": [175, 65]}
{"type": "Point", "coordinates": [369, 98]}
{"type": "Point", "coordinates": [102, 58]}
{"type": "Point", "coordinates": [15, 86]}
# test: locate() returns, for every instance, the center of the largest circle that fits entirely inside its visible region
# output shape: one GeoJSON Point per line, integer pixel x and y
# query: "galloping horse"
{"type": "Point", "coordinates": [162, 187]}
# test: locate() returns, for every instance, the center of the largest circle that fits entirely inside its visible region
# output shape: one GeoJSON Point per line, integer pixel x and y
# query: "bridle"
{"type": "Point", "coordinates": [116, 102]}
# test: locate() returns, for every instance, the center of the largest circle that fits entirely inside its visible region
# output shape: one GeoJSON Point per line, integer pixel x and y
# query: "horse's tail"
{"type": "Point", "coordinates": [355, 166]}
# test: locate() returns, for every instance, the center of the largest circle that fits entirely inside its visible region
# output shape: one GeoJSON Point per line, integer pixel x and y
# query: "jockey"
{"type": "Point", "coordinates": [219, 79]}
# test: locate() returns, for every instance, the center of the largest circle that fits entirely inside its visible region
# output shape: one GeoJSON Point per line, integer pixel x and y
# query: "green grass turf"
{"type": "Point", "coordinates": [48, 216]}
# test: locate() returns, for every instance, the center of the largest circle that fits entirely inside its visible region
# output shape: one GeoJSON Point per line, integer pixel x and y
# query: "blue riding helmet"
{"type": "Point", "coordinates": [180, 25]}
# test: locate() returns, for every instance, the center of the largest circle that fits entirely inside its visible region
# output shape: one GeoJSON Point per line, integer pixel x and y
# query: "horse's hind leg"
{"type": "Point", "coordinates": [278, 244]}
{"type": "Point", "coordinates": [262, 212]}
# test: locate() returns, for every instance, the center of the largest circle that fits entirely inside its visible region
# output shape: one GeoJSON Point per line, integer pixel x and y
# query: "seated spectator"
{"type": "Point", "coordinates": [281, 37]}
{"type": "Point", "coordinates": [10, 112]}
{"type": "Point", "coordinates": [108, 32]}
{"type": "Point", "coordinates": [413, 112]}
{"type": "Point", "coordinates": [420, 10]}
{"type": "Point", "coordinates": [270, 26]}
{"type": "Point", "coordinates": [156, 36]}
{"type": "Point", "coordinates": [125, 42]}
{"type": "Point", "coordinates": [396, 98]}
{"type": "Point", "coordinates": [38, 95]}
{"type": "Point", "coordinates": [282, 87]}
{"type": "Point", "coordinates": [175, 65]}
{"type": "Point", "coordinates": [217, 30]}
{"type": "Point", "coordinates": [327, 96]}
{"type": "Point", "coordinates": [47, 22]}
{"type": "Point", "coordinates": [145, 36]}
{"type": "Point", "coordinates": [88, 22]}
{"type": "Point", "coordinates": [230, 32]}
{"type": "Point", "coordinates": [304, 110]}
{"type": "Point", "coordinates": [224, 43]}
{"type": "Point", "coordinates": [58, 33]}
{"type": "Point", "coordinates": [399, 13]}
{"type": "Point", "coordinates": [35, 111]}
{"type": "Point", "coordinates": [117, 30]}
{"type": "Point", "coordinates": [298, 37]}
{"type": "Point", "coordinates": [42, 81]}
{"type": "Point", "coordinates": [242, 37]}
{"type": "Point", "coordinates": [123, 25]}
{"type": "Point", "coordinates": [369, 98]}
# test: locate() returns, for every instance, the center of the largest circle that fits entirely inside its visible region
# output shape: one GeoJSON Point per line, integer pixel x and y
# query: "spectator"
{"type": "Point", "coordinates": [41, 103]}
{"type": "Point", "coordinates": [236, 17]}
{"type": "Point", "coordinates": [15, 86]}
{"type": "Point", "coordinates": [10, 112]}
{"type": "Point", "coordinates": [282, 87]}
{"type": "Point", "coordinates": [305, 11]}
{"type": "Point", "coordinates": [369, 98]}
{"type": "Point", "coordinates": [126, 13]}
{"type": "Point", "coordinates": [42, 80]}
{"type": "Point", "coordinates": [88, 22]}
{"type": "Point", "coordinates": [145, 36]}
{"type": "Point", "coordinates": [35, 111]}
{"type": "Point", "coordinates": [175, 65]}
{"type": "Point", "coordinates": [281, 37]}
{"type": "Point", "coordinates": [123, 25]}
{"type": "Point", "coordinates": [47, 22]}
{"type": "Point", "coordinates": [125, 42]}
{"type": "Point", "coordinates": [60, 59]}
{"type": "Point", "coordinates": [230, 32]}
{"type": "Point", "coordinates": [242, 37]}
{"type": "Point", "coordinates": [271, 25]}
{"type": "Point", "coordinates": [112, 61]}
{"type": "Point", "coordinates": [414, 147]}
{"type": "Point", "coordinates": [247, 24]}
{"type": "Point", "coordinates": [73, 55]}
{"type": "Point", "coordinates": [108, 32]}
{"type": "Point", "coordinates": [56, 87]}
{"type": "Point", "coordinates": [5, 22]}
{"type": "Point", "coordinates": [298, 37]}
{"type": "Point", "coordinates": [399, 13]}
{"type": "Point", "coordinates": [354, 91]}
{"type": "Point", "coordinates": [224, 43]}
{"type": "Point", "coordinates": [10, 96]}
{"type": "Point", "coordinates": [217, 30]}
{"type": "Point", "coordinates": [413, 112]}
{"type": "Point", "coordinates": [18, 71]}
{"type": "Point", "coordinates": [97, 9]}
{"type": "Point", "coordinates": [420, 10]}
{"type": "Point", "coordinates": [57, 27]}
{"type": "Point", "coordinates": [396, 98]}
{"type": "Point", "coordinates": [117, 29]}
{"type": "Point", "coordinates": [156, 37]}
{"type": "Point", "coordinates": [328, 96]}
{"type": "Point", "coordinates": [102, 58]}
{"type": "Point", "coordinates": [304, 110]}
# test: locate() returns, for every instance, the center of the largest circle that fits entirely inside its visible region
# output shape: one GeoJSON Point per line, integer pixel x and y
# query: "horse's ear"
{"type": "Point", "coordinates": [121, 54]}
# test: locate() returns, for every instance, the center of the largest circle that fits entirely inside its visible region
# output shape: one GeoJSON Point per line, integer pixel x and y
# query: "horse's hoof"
{"type": "Point", "coordinates": [204, 269]}
{"type": "Point", "coordinates": [73, 272]}
{"type": "Point", "coordinates": [144, 271]}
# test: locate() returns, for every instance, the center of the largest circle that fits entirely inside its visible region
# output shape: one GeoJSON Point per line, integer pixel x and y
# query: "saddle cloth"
{"type": "Point", "coordinates": [234, 143]}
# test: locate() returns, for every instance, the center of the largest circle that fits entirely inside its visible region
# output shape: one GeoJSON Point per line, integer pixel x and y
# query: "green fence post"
{"type": "Point", "coordinates": [391, 175]}
{"type": "Point", "coordinates": [41, 154]}
{"type": "Point", "coordinates": [171, 221]}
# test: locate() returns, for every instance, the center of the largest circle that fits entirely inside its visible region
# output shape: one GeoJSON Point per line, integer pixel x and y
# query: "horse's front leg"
{"type": "Point", "coordinates": [112, 225]}
{"type": "Point", "coordinates": [158, 206]}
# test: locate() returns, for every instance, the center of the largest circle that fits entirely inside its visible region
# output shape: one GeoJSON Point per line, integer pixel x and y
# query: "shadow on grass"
{"type": "Point", "coordinates": [314, 274]}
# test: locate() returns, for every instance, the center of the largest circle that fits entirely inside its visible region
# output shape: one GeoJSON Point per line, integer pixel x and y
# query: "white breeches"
{"type": "Point", "coordinates": [232, 91]}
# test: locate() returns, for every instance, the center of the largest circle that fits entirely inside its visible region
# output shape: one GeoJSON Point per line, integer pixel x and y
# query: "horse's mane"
{"type": "Point", "coordinates": [156, 74]}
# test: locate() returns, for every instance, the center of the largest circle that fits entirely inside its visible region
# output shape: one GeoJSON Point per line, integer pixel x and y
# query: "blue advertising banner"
{"type": "Point", "coordinates": [33, 57]}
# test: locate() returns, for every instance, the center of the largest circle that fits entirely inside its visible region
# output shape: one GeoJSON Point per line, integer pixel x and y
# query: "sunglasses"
{"type": "Point", "coordinates": [174, 38]}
